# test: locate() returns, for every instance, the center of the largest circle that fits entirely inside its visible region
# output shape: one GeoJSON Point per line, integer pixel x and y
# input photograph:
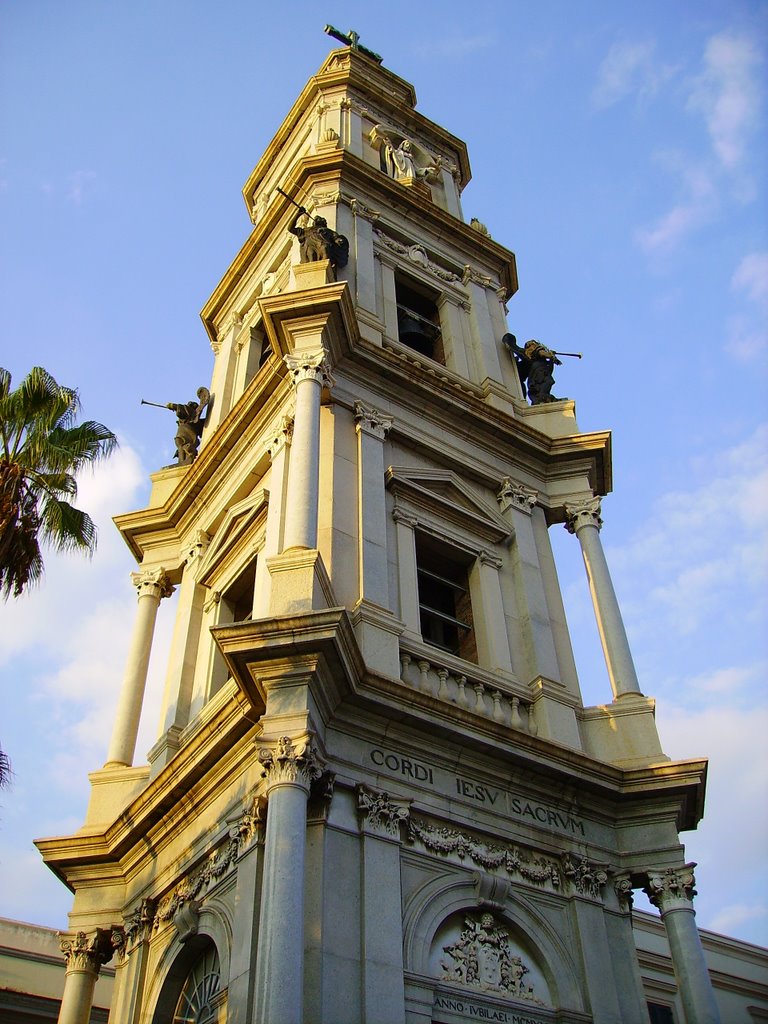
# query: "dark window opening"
{"type": "Point", "coordinates": [418, 318]}
{"type": "Point", "coordinates": [445, 609]}
{"type": "Point", "coordinates": [660, 1014]}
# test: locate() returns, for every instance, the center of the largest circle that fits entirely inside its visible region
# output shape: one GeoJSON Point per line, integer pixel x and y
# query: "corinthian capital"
{"type": "Point", "coordinates": [583, 513]}
{"type": "Point", "coordinates": [382, 814]}
{"type": "Point", "coordinates": [515, 495]}
{"type": "Point", "coordinates": [287, 763]}
{"type": "Point", "coordinates": [672, 889]}
{"type": "Point", "coordinates": [372, 420]}
{"type": "Point", "coordinates": [310, 366]}
{"type": "Point", "coordinates": [84, 952]}
{"type": "Point", "coordinates": [152, 583]}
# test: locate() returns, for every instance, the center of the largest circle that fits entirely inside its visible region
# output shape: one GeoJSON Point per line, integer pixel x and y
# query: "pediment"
{"type": "Point", "coordinates": [237, 527]}
{"type": "Point", "coordinates": [442, 494]}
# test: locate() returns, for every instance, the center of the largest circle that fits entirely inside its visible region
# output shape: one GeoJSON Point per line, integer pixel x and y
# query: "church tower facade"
{"type": "Point", "coordinates": [376, 795]}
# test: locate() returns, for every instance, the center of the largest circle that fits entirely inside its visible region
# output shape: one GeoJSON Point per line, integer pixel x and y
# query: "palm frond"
{"type": "Point", "coordinates": [65, 527]}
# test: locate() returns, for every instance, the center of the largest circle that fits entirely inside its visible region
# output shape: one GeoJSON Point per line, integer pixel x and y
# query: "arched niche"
{"type": "Point", "coordinates": [434, 917]}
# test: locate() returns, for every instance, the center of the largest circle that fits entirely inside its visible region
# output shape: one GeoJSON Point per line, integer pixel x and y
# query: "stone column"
{"type": "Point", "coordinates": [382, 926]}
{"type": "Point", "coordinates": [583, 519]}
{"type": "Point", "coordinates": [152, 585]}
{"type": "Point", "coordinates": [672, 891]}
{"type": "Point", "coordinates": [371, 428]}
{"type": "Point", "coordinates": [289, 771]}
{"type": "Point", "coordinates": [309, 372]}
{"type": "Point", "coordinates": [407, 574]}
{"type": "Point", "coordinates": [278, 448]}
{"type": "Point", "coordinates": [222, 382]}
{"type": "Point", "coordinates": [84, 956]}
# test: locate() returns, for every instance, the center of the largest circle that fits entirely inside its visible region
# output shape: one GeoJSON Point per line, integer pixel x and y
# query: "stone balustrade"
{"type": "Point", "coordinates": [470, 692]}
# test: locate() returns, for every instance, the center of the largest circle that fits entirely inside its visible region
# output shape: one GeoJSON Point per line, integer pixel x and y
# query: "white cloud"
{"type": "Point", "coordinates": [630, 68]}
{"type": "Point", "coordinates": [727, 93]}
{"type": "Point", "coordinates": [751, 277]}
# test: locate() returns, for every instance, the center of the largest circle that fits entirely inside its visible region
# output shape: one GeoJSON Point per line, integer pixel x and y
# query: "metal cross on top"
{"type": "Point", "coordinates": [351, 40]}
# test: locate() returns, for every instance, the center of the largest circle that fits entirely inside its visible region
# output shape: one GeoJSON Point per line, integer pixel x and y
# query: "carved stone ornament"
{"type": "Point", "coordinates": [186, 920]}
{"type": "Point", "coordinates": [482, 958]}
{"type": "Point", "coordinates": [279, 435]}
{"type": "Point", "coordinates": [382, 814]}
{"type": "Point", "coordinates": [515, 495]}
{"type": "Point", "coordinates": [152, 583]}
{"type": "Point", "coordinates": [84, 952]}
{"type": "Point", "coordinates": [622, 886]}
{"type": "Point", "coordinates": [583, 513]}
{"type": "Point", "coordinates": [372, 420]}
{"type": "Point", "coordinates": [416, 254]}
{"type": "Point", "coordinates": [310, 366]}
{"type": "Point", "coordinates": [138, 924]}
{"type": "Point", "coordinates": [539, 870]}
{"type": "Point", "coordinates": [586, 878]}
{"type": "Point", "coordinates": [400, 515]}
{"type": "Point", "coordinates": [672, 889]}
{"type": "Point", "coordinates": [290, 764]}
{"type": "Point", "coordinates": [216, 865]}
{"type": "Point", "coordinates": [474, 276]}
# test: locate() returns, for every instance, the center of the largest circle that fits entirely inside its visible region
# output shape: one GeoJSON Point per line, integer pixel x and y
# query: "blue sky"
{"type": "Point", "coordinates": [616, 148]}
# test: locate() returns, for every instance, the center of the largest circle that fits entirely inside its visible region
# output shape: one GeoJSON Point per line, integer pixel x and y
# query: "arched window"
{"type": "Point", "coordinates": [202, 984]}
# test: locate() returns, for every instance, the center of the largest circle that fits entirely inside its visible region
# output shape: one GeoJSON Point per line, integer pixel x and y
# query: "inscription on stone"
{"type": "Point", "coordinates": [476, 1011]}
{"type": "Point", "coordinates": [501, 800]}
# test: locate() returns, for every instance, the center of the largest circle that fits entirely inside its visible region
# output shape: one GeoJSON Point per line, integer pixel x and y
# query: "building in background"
{"type": "Point", "coordinates": [376, 794]}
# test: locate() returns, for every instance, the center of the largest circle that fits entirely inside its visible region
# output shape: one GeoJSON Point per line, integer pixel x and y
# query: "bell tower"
{"type": "Point", "coordinates": [375, 794]}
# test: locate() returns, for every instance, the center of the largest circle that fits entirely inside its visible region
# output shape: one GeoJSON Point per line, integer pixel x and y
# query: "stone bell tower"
{"type": "Point", "coordinates": [376, 794]}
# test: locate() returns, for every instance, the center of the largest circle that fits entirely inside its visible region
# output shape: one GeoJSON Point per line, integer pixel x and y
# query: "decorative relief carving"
{"type": "Point", "coordinates": [470, 274]}
{"type": "Point", "coordinates": [416, 254]}
{"type": "Point", "coordinates": [383, 815]}
{"type": "Point", "coordinates": [215, 866]}
{"type": "Point", "coordinates": [280, 434]}
{"type": "Point", "coordinates": [622, 886]}
{"type": "Point", "coordinates": [360, 209]}
{"type": "Point", "coordinates": [321, 795]}
{"type": "Point", "coordinates": [152, 583]}
{"type": "Point", "coordinates": [310, 366]}
{"type": "Point", "coordinates": [86, 953]}
{"type": "Point", "coordinates": [138, 924]}
{"type": "Point", "coordinates": [515, 495]}
{"type": "Point", "coordinates": [539, 870]}
{"type": "Point", "coordinates": [583, 513]}
{"type": "Point", "coordinates": [482, 958]}
{"type": "Point", "coordinates": [372, 420]}
{"type": "Point", "coordinates": [488, 558]}
{"type": "Point", "coordinates": [186, 920]}
{"type": "Point", "coordinates": [587, 878]}
{"type": "Point", "coordinates": [287, 763]}
{"type": "Point", "coordinates": [406, 518]}
{"type": "Point", "coordinates": [671, 889]}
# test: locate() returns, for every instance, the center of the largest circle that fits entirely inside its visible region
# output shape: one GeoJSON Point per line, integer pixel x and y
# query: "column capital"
{"type": "Point", "coordinates": [382, 814]}
{"type": "Point", "coordinates": [312, 366]}
{"type": "Point", "coordinates": [583, 513]}
{"type": "Point", "coordinates": [87, 953]}
{"type": "Point", "coordinates": [288, 763]}
{"type": "Point", "coordinates": [671, 889]}
{"type": "Point", "coordinates": [372, 421]}
{"type": "Point", "coordinates": [279, 435]}
{"type": "Point", "coordinates": [406, 518]}
{"type": "Point", "coordinates": [152, 583]}
{"type": "Point", "coordinates": [516, 495]}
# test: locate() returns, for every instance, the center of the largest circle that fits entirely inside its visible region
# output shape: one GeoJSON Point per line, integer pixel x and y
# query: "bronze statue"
{"type": "Point", "coordinates": [189, 424]}
{"type": "Point", "coordinates": [319, 242]}
{"type": "Point", "coordinates": [534, 365]}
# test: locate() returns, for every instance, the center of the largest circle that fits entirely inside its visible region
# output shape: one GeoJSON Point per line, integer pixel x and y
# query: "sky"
{"type": "Point", "coordinates": [616, 148]}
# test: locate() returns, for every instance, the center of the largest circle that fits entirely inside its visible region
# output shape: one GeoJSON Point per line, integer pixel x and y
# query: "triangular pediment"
{"type": "Point", "coordinates": [237, 526]}
{"type": "Point", "coordinates": [443, 494]}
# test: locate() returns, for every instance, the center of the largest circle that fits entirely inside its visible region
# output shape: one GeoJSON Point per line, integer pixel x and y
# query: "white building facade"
{"type": "Point", "coordinates": [376, 794]}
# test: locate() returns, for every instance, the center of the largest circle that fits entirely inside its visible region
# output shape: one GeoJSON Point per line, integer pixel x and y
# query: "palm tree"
{"type": "Point", "coordinates": [41, 450]}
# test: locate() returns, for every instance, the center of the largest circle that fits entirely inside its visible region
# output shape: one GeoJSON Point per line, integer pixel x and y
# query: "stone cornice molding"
{"type": "Point", "coordinates": [582, 513]}
{"type": "Point", "coordinates": [672, 889]}
{"type": "Point", "coordinates": [152, 583]}
{"type": "Point", "coordinates": [87, 953]}
{"type": "Point", "coordinates": [381, 814]}
{"type": "Point", "coordinates": [290, 764]}
{"type": "Point", "coordinates": [310, 366]}
{"type": "Point", "coordinates": [517, 496]}
{"type": "Point", "coordinates": [372, 421]}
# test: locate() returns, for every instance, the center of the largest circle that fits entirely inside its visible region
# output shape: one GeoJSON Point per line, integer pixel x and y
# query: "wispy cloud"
{"type": "Point", "coordinates": [747, 330]}
{"type": "Point", "coordinates": [630, 68]}
{"type": "Point", "coordinates": [455, 45]}
{"type": "Point", "coordinates": [751, 277]}
{"type": "Point", "coordinates": [728, 95]}
{"type": "Point", "coordinates": [79, 186]}
{"type": "Point", "coordinates": [697, 205]}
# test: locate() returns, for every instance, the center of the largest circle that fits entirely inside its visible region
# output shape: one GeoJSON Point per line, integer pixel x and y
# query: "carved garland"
{"type": "Point", "coordinates": [416, 254]}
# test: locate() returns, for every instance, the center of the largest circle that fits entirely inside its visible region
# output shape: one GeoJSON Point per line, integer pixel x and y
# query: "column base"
{"type": "Point", "coordinates": [624, 732]}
